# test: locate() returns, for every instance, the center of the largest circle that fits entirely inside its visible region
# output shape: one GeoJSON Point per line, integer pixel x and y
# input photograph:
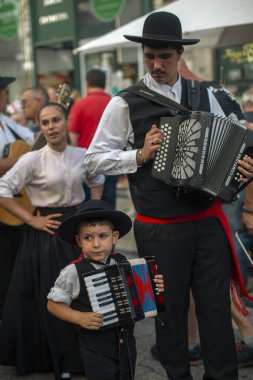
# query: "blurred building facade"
{"type": "Point", "coordinates": [37, 38]}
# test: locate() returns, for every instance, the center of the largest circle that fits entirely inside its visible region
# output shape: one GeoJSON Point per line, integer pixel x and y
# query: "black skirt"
{"type": "Point", "coordinates": [31, 339]}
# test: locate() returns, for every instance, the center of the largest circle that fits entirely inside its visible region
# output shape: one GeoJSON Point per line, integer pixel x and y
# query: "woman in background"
{"type": "Point", "coordinates": [30, 338]}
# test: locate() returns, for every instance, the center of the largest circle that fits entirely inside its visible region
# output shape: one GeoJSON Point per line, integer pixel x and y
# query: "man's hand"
{"type": "Point", "coordinates": [245, 167]}
{"type": "Point", "coordinates": [153, 141]}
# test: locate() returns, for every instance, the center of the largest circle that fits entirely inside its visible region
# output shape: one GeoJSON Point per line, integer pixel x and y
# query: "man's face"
{"type": "Point", "coordinates": [162, 63]}
{"type": "Point", "coordinates": [30, 104]}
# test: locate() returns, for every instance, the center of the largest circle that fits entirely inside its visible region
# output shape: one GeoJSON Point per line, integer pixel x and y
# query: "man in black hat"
{"type": "Point", "coordinates": [9, 236]}
{"type": "Point", "coordinates": [183, 230]}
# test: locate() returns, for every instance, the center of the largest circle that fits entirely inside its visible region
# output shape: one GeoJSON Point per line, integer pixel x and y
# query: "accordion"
{"type": "Point", "coordinates": [124, 292]}
{"type": "Point", "coordinates": [200, 152]}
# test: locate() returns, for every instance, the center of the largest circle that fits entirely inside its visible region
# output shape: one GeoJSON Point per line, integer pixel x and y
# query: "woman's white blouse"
{"type": "Point", "coordinates": [51, 178]}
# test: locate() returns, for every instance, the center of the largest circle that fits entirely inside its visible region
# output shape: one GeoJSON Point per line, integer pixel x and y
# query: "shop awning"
{"type": "Point", "coordinates": [204, 19]}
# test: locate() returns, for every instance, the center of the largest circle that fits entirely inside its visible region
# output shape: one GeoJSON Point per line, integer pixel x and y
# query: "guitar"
{"type": "Point", "coordinates": [17, 149]}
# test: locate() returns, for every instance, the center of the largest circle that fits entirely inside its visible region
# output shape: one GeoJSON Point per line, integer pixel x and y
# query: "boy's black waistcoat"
{"type": "Point", "coordinates": [153, 197]}
{"type": "Point", "coordinates": [105, 342]}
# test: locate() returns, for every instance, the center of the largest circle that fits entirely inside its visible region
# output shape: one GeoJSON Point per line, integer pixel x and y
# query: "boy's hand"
{"type": "Point", "coordinates": [159, 282]}
{"type": "Point", "coordinates": [90, 320]}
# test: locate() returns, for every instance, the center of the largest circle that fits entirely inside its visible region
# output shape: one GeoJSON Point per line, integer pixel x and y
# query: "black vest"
{"type": "Point", "coordinates": [105, 342]}
{"type": "Point", "coordinates": [152, 197]}
{"type": "Point", "coordinates": [84, 266]}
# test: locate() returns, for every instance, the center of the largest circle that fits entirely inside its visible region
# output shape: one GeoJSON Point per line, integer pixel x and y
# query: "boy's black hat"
{"type": "Point", "coordinates": [162, 28]}
{"type": "Point", "coordinates": [94, 209]}
{"type": "Point", "coordinates": [5, 81]}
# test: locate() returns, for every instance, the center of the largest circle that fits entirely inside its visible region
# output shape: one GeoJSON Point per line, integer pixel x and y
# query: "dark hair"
{"type": "Point", "coordinates": [96, 78]}
{"type": "Point", "coordinates": [162, 45]}
{"type": "Point", "coordinates": [94, 222]}
{"type": "Point", "coordinates": [39, 92]}
{"type": "Point", "coordinates": [60, 107]}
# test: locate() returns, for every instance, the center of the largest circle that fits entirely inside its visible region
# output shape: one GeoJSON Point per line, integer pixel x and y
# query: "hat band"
{"type": "Point", "coordinates": [162, 37]}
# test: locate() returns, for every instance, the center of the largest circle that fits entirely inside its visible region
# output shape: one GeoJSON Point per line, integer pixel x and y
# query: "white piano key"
{"type": "Point", "coordinates": [105, 310]}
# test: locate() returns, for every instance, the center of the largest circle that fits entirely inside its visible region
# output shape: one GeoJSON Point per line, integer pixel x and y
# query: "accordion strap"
{"type": "Point", "coordinates": [142, 90]}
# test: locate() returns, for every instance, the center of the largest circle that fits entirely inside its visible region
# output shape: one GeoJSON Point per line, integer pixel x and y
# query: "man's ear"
{"type": "Point", "coordinates": [182, 50]}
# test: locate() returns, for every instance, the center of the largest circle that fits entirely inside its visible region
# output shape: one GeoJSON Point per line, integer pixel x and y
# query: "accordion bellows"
{"type": "Point", "coordinates": [124, 292]}
{"type": "Point", "coordinates": [200, 152]}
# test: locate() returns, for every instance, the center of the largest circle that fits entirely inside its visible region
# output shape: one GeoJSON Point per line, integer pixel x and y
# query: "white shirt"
{"type": "Point", "coordinates": [6, 135]}
{"type": "Point", "coordinates": [106, 152]}
{"type": "Point", "coordinates": [51, 178]}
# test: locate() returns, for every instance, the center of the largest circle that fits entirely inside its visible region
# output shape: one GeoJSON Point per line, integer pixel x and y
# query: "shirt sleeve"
{"type": "Point", "coordinates": [17, 177]}
{"type": "Point", "coordinates": [110, 151]}
{"type": "Point", "coordinates": [94, 180]}
{"type": "Point", "coordinates": [66, 287]}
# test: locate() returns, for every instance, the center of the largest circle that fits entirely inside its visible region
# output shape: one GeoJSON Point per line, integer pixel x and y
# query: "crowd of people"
{"type": "Point", "coordinates": [70, 173]}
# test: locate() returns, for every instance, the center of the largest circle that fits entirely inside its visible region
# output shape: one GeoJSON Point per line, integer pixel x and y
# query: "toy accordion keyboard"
{"type": "Point", "coordinates": [200, 151]}
{"type": "Point", "coordinates": [124, 292]}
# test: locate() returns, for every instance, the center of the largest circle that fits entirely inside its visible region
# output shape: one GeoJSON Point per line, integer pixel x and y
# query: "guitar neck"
{"type": "Point", "coordinates": [39, 142]}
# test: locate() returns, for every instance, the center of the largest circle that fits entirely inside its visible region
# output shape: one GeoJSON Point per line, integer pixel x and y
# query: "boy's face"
{"type": "Point", "coordinates": [96, 241]}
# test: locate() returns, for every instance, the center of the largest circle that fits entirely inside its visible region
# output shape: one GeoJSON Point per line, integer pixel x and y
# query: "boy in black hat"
{"type": "Point", "coordinates": [106, 354]}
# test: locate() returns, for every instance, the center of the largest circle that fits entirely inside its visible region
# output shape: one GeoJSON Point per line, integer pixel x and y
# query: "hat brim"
{"type": "Point", "coordinates": [68, 229]}
{"type": "Point", "coordinates": [4, 82]}
{"type": "Point", "coordinates": [161, 41]}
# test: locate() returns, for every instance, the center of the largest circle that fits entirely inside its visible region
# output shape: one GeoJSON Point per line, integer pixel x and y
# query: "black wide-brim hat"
{"type": "Point", "coordinates": [5, 81]}
{"type": "Point", "coordinates": [163, 29]}
{"type": "Point", "coordinates": [94, 209]}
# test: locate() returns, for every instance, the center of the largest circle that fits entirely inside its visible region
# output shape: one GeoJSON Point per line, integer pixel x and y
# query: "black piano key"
{"type": "Point", "coordinates": [109, 313]}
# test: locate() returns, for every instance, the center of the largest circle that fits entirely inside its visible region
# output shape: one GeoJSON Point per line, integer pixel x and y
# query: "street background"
{"type": "Point", "coordinates": [147, 368]}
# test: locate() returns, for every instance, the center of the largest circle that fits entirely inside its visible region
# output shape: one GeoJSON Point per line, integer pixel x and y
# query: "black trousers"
{"type": "Point", "coordinates": [193, 254]}
{"type": "Point", "coordinates": [107, 359]}
{"type": "Point", "coordinates": [9, 243]}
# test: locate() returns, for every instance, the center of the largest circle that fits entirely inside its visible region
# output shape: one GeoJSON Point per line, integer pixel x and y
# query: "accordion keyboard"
{"type": "Point", "coordinates": [108, 296]}
{"type": "Point", "coordinates": [124, 292]}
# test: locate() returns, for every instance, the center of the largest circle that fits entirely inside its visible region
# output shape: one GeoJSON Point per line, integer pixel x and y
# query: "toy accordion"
{"type": "Point", "coordinates": [200, 151]}
{"type": "Point", "coordinates": [124, 292]}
